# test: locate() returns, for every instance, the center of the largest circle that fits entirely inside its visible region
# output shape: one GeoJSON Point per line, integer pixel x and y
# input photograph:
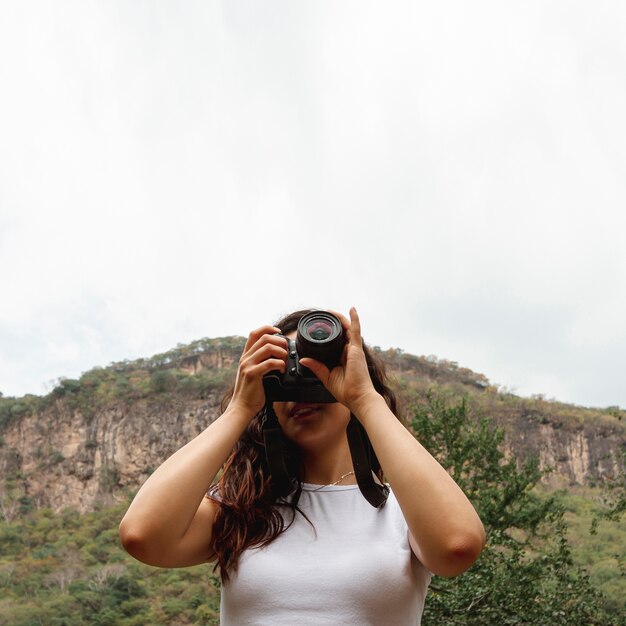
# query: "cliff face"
{"type": "Point", "coordinates": [66, 460]}
{"type": "Point", "coordinates": [575, 456]}
{"type": "Point", "coordinates": [67, 456]}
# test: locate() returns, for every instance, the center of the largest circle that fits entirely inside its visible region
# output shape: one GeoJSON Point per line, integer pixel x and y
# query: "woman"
{"type": "Point", "coordinates": [322, 555]}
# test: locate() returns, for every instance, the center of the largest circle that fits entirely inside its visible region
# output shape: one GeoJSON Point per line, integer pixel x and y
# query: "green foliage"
{"type": "Point", "coordinates": [67, 386]}
{"type": "Point", "coordinates": [509, 586]}
{"type": "Point", "coordinates": [471, 451]}
{"type": "Point", "coordinates": [69, 569]}
{"type": "Point", "coordinates": [614, 501]}
{"type": "Point", "coordinates": [597, 541]}
{"type": "Point", "coordinates": [526, 574]}
{"type": "Point", "coordinates": [15, 408]}
{"type": "Point", "coordinates": [13, 499]}
{"type": "Point", "coordinates": [163, 380]}
{"type": "Point", "coordinates": [616, 411]}
{"type": "Point", "coordinates": [109, 478]}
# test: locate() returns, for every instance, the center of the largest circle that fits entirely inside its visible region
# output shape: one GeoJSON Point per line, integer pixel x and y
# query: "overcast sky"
{"type": "Point", "coordinates": [455, 170]}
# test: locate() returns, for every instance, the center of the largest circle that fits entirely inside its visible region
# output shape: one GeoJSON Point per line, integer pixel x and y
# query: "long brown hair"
{"type": "Point", "coordinates": [248, 516]}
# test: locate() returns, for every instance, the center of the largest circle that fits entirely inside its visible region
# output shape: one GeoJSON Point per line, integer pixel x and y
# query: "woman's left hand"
{"type": "Point", "coordinates": [349, 382]}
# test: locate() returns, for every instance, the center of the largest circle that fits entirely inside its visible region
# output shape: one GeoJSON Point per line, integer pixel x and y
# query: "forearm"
{"type": "Point", "coordinates": [165, 506]}
{"type": "Point", "coordinates": [440, 518]}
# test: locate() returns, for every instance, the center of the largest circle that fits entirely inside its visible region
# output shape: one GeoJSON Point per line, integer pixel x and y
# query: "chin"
{"type": "Point", "coordinates": [312, 440]}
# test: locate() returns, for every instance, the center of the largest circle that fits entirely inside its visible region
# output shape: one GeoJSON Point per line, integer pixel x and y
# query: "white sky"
{"type": "Point", "coordinates": [177, 170]}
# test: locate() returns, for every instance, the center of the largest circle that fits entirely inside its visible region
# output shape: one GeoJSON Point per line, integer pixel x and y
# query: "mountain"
{"type": "Point", "coordinates": [92, 440]}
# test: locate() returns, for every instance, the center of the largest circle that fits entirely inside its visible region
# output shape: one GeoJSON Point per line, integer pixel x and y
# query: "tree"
{"type": "Point", "coordinates": [525, 575]}
{"type": "Point", "coordinates": [613, 505]}
{"type": "Point", "coordinates": [11, 496]}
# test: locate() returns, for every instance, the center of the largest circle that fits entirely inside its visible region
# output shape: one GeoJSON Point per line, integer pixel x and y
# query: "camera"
{"type": "Point", "coordinates": [319, 336]}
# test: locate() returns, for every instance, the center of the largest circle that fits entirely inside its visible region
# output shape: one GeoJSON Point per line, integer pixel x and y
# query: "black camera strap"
{"type": "Point", "coordinates": [365, 463]}
{"type": "Point", "coordinates": [364, 460]}
{"type": "Point", "coordinates": [282, 483]}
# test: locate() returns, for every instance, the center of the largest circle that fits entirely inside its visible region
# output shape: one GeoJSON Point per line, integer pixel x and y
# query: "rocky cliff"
{"type": "Point", "coordinates": [93, 440]}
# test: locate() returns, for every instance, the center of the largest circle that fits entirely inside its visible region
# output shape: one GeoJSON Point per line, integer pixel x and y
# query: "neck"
{"type": "Point", "coordinates": [326, 466]}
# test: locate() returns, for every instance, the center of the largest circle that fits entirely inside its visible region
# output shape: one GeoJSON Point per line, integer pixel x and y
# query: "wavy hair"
{"type": "Point", "coordinates": [247, 515]}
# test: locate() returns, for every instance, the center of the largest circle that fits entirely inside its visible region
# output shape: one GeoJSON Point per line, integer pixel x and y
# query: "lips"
{"type": "Point", "coordinates": [302, 409]}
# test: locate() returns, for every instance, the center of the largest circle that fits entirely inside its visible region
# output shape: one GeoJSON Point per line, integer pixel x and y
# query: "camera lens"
{"type": "Point", "coordinates": [321, 337]}
{"type": "Point", "coordinates": [319, 330]}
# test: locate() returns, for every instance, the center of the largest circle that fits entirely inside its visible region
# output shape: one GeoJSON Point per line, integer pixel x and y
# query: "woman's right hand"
{"type": "Point", "coordinates": [264, 352]}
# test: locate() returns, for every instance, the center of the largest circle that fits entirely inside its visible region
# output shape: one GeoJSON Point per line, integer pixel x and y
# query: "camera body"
{"type": "Point", "coordinates": [320, 336]}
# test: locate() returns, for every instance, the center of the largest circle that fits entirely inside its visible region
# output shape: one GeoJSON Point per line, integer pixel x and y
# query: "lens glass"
{"type": "Point", "coordinates": [319, 330]}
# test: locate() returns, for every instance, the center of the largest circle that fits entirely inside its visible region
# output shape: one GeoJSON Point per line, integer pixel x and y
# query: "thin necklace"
{"type": "Point", "coordinates": [332, 484]}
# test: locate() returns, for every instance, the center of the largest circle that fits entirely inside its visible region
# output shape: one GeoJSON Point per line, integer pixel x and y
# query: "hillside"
{"type": "Point", "coordinates": [92, 439]}
{"type": "Point", "coordinates": [71, 460]}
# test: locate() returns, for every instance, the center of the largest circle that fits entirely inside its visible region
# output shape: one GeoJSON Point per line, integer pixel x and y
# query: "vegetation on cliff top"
{"type": "Point", "coordinates": [207, 366]}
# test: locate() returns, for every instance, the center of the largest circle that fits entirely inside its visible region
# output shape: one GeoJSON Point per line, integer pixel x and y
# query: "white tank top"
{"type": "Point", "coordinates": [354, 568]}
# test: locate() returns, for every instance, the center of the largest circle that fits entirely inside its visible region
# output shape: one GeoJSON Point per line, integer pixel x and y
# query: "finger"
{"type": "Point", "coordinates": [268, 366]}
{"type": "Point", "coordinates": [265, 339]}
{"type": "Point", "coordinates": [255, 335]}
{"type": "Point", "coordinates": [345, 322]}
{"type": "Point", "coordinates": [267, 351]}
{"type": "Point", "coordinates": [319, 369]}
{"type": "Point", "coordinates": [355, 328]}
